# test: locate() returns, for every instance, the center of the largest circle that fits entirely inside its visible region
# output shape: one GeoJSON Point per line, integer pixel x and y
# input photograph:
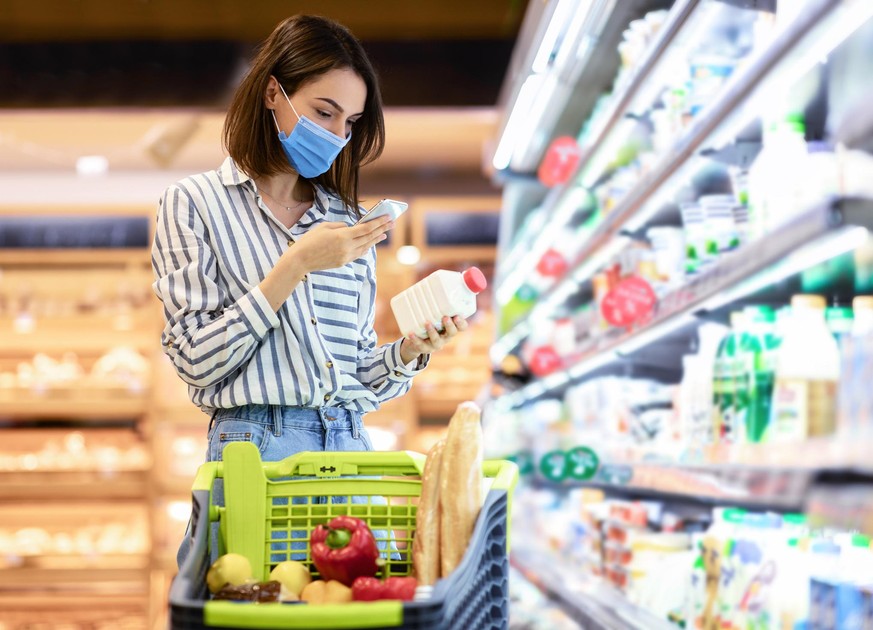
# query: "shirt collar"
{"type": "Point", "coordinates": [231, 175]}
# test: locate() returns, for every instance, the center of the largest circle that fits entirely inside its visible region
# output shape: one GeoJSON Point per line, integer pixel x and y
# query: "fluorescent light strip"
{"type": "Point", "coordinates": [553, 32]}
{"type": "Point", "coordinates": [566, 52]}
{"type": "Point", "coordinates": [541, 101]}
{"type": "Point", "coordinates": [517, 119]}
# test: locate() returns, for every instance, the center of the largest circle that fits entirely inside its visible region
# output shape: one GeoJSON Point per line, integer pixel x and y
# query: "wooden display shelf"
{"type": "Point", "coordinates": [55, 338]}
{"type": "Point", "coordinates": [106, 573]}
{"type": "Point", "coordinates": [73, 485]}
{"type": "Point", "coordinates": [78, 257]}
{"type": "Point", "coordinates": [74, 404]}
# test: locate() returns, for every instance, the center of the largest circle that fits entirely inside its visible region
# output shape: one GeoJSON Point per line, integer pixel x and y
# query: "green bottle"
{"type": "Point", "coordinates": [724, 383]}
{"type": "Point", "coordinates": [757, 354]}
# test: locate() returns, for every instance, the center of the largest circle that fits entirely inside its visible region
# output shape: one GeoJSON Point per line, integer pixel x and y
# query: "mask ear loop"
{"type": "Point", "coordinates": [289, 101]}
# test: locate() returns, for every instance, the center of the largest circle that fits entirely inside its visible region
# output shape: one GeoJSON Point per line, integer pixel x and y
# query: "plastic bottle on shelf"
{"type": "Point", "coordinates": [442, 293]}
{"type": "Point", "coordinates": [774, 184]}
{"type": "Point", "coordinates": [757, 355]}
{"type": "Point", "coordinates": [695, 390]}
{"type": "Point", "coordinates": [807, 372]}
{"type": "Point", "coordinates": [725, 376]}
{"type": "Point", "coordinates": [853, 400]}
{"type": "Point", "coordinates": [840, 320]}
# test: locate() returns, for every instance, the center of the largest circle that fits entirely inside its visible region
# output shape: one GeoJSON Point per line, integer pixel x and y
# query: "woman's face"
{"type": "Point", "coordinates": [335, 101]}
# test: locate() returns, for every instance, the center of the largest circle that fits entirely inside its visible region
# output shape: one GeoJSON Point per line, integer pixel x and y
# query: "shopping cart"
{"type": "Point", "coordinates": [271, 507]}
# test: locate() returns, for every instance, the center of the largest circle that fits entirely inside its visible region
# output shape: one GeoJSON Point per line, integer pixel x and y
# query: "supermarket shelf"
{"type": "Point", "coordinates": [619, 104]}
{"type": "Point", "coordinates": [586, 600]}
{"type": "Point", "coordinates": [72, 404]}
{"type": "Point", "coordinates": [779, 477]}
{"type": "Point", "coordinates": [106, 573]}
{"type": "Point", "coordinates": [846, 504]}
{"type": "Point", "coordinates": [58, 339]}
{"type": "Point", "coordinates": [739, 273]}
{"type": "Point", "coordinates": [72, 485]}
{"type": "Point", "coordinates": [84, 257]}
{"type": "Point", "coordinates": [737, 90]}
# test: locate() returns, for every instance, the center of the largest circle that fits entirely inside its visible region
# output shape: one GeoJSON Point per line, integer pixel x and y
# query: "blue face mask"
{"type": "Point", "coordinates": [310, 148]}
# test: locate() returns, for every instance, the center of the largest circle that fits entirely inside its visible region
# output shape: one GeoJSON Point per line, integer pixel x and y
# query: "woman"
{"type": "Point", "coordinates": [267, 279]}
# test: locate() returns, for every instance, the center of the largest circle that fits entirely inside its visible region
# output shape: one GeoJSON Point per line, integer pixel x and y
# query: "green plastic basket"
{"type": "Point", "coordinates": [272, 507]}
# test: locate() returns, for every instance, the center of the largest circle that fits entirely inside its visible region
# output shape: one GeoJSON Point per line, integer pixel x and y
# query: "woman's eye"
{"type": "Point", "coordinates": [323, 113]}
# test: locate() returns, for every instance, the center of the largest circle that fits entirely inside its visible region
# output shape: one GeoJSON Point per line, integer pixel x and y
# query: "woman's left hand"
{"type": "Point", "coordinates": [414, 346]}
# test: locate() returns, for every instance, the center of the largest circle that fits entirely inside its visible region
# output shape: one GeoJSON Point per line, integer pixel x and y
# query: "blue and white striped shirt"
{"type": "Point", "coordinates": [214, 243]}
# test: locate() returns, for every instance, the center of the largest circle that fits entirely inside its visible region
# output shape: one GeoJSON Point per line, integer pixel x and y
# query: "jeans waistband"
{"type": "Point", "coordinates": [277, 416]}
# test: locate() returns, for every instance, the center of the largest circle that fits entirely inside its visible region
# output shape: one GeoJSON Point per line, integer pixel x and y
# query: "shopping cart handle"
{"type": "Point", "coordinates": [346, 463]}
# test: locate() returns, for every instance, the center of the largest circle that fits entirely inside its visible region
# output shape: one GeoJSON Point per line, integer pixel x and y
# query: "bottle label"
{"type": "Point", "coordinates": [802, 408]}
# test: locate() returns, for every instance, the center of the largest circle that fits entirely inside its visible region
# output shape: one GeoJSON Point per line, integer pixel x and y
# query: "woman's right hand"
{"type": "Point", "coordinates": [332, 245]}
{"type": "Point", "coordinates": [325, 246]}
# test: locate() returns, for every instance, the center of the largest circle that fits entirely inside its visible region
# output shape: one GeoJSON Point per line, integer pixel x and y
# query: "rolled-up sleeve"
{"type": "Point", "coordinates": [206, 338]}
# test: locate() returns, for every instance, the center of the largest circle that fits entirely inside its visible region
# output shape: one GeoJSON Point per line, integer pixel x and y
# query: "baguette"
{"type": "Point", "coordinates": [426, 543]}
{"type": "Point", "coordinates": [460, 485]}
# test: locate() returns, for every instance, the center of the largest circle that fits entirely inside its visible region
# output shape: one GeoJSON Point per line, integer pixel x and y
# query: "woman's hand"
{"type": "Point", "coordinates": [414, 346]}
{"type": "Point", "coordinates": [325, 246]}
{"type": "Point", "coordinates": [332, 245]}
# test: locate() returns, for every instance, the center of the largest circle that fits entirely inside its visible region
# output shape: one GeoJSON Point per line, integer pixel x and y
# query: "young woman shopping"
{"type": "Point", "coordinates": [268, 281]}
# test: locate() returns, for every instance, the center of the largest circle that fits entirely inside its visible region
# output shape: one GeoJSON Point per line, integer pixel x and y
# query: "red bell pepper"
{"type": "Point", "coordinates": [344, 550]}
{"type": "Point", "coordinates": [370, 589]}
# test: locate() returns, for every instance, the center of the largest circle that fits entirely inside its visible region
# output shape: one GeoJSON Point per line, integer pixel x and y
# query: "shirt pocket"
{"type": "Point", "coordinates": [227, 431]}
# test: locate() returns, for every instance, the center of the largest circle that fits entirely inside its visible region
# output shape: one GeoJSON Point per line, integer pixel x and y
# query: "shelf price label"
{"type": "Point", "coordinates": [630, 302]}
{"type": "Point", "coordinates": [554, 466]}
{"type": "Point", "coordinates": [582, 463]}
{"type": "Point", "coordinates": [525, 462]}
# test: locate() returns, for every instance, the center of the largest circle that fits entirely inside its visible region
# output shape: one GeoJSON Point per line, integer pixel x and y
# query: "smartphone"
{"type": "Point", "coordinates": [386, 207]}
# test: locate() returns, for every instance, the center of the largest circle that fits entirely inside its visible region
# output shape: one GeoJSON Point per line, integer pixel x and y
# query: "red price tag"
{"type": "Point", "coordinates": [545, 360]}
{"type": "Point", "coordinates": [630, 302]}
{"type": "Point", "coordinates": [552, 264]}
{"type": "Point", "coordinates": [560, 162]}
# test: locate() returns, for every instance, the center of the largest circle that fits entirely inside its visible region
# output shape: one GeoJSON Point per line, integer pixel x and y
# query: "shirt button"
{"type": "Point", "coordinates": [306, 278]}
{"type": "Point", "coordinates": [326, 397]}
{"type": "Point", "coordinates": [312, 319]}
{"type": "Point", "coordinates": [329, 364]}
{"type": "Point", "coordinates": [290, 242]}
{"type": "Point", "coordinates": [396, 373]}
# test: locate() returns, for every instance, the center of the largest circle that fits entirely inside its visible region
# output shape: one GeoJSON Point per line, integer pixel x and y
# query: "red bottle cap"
{"type": "Point", "coordinates": [475, 279]}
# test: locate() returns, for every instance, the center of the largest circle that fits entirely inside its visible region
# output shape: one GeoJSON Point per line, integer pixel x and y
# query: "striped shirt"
{"type": "Point", "coordinates": [214, 242]}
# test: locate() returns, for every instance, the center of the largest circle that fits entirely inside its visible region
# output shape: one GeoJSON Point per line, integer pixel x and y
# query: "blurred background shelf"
{"type": "Point", "coordinates": [73, 485]}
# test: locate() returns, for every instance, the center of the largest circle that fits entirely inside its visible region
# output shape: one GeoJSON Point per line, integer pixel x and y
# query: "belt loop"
{"type": "Point", "coordinates": [324, 423]}
{"type": "Point", "coordinates": [276, 414]}
{"type": "Point", "coordinates": [212, 420]}
{"type": "Point", "coordinates": [357, 423]}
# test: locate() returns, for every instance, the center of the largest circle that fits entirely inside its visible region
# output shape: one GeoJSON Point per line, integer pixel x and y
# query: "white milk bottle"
{"type": "Point", "coordinates": [443, 293]}
{"type": "Point", "coordinates": [807, 372]}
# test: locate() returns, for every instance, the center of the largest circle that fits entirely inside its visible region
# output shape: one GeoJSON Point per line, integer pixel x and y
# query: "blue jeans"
{"type": "Point", "coordinates": [280, 432]}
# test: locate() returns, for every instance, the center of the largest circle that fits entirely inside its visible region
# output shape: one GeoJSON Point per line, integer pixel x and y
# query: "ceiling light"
{"type": "Point", "coordinates": [92, 165]}
{"type": "Point", "coordinates": [408, 255]}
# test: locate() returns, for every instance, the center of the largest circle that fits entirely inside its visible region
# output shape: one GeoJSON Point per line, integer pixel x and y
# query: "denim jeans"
{"type": "Point", "coordinates": [280, 432]}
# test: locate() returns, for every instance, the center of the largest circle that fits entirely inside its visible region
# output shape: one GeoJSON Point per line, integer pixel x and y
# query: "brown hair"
{"type": "Point", "coordinates": [299, 50]}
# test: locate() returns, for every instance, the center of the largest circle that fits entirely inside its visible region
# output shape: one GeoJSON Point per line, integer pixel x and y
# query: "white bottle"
{"type": "Point", "coordinates": [774, 185]}
{"type": "Point", "coordinates": [443, 293]}
{"type": "Point", "coordinates": [807, 372]}
{"type": "Point", "coordinates": [853, 398]}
